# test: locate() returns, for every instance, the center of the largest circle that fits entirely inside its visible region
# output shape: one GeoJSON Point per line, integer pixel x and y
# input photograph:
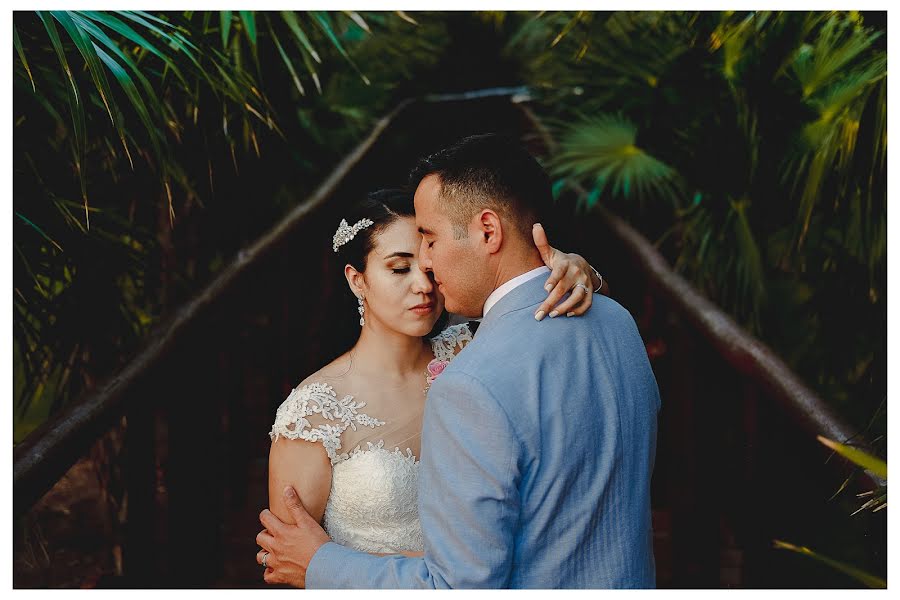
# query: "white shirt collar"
{"type": "Point", "coordinates": [510, 286]}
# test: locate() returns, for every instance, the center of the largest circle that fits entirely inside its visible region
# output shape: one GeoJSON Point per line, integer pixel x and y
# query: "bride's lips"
{"type": "Point", "coordinates": [423, 309]}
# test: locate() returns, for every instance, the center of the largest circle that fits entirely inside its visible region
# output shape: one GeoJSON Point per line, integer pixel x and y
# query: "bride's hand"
{"type": "Point", "coordinates": [568, 270]}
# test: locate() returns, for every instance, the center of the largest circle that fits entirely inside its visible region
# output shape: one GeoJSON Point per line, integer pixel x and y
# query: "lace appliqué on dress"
{"type": "Point", "coordinates": [380, 446]}
{"type": "Point", "coordinates": [445, 343]}
{"type": "Point", "coordinates": [320, 398]}
{"type": "Point", "coordinates": [373, 505]}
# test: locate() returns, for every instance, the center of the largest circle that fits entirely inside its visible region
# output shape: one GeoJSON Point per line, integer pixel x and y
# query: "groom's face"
{"type": "Point", "coordinates": [458, 265]}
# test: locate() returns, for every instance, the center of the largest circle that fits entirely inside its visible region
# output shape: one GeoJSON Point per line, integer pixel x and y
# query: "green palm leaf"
{"type": "Point", "coordinates": [249, 21]}
{"type": "Point", "coordinates": [837, 45]}
{"type": "Point", "coordinates": [76, 109]}
{"type": "Point", "coordinates": [175, 40]}
{"type": "Point", "coordinates": [20, 51]}
{"type": "Point", "coordinates": [93, 64]}
{"type": "Point", "coordinates": [225, 26]}
{"type": "Point", "coordinates": [291, 20]}
{"type": "Point", "coordinates": [288, 63]}
{"type": "Point", "coordinates": [151, 75]}
{"type": "Point", "coordinates": [749, 274]}
{"type": "Point", "coordinates": [604, 150]}
{"type": "Point", "coordinates": [857, 457]}
{"type": "Point", "coordinates": [323, 20]}
{"type": "Point", "coordinates": [128, 33]}
{"type": "Point", "coordinates": [867, 579]}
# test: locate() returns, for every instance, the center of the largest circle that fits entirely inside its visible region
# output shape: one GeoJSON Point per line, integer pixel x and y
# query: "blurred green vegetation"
{"type": "Point", "coordinates": [751, 146]}
{"type": "Point", "coordinates": [138, 134]}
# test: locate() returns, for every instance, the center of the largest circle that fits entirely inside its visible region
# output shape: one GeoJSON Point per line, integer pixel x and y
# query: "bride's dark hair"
{"type": "Point", "coordinates": [383, 208]}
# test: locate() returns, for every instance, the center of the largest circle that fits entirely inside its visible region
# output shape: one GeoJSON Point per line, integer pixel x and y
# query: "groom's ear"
{"type": "Point", "coordinates": [491, 230]}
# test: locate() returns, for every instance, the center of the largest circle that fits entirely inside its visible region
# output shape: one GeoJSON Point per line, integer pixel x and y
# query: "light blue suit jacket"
{"type": "Point", "coordinates": [538, 445]}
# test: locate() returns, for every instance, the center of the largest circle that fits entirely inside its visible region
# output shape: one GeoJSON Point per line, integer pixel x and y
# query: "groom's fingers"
{"type": "Point", "coordinates": [270, 577]}
{"type": "Point", "coordinates": [295, 507]}
{"type": "Point", "coordinates": [270, 521]}
{"type": "Point", "coordinates": [266, 540]}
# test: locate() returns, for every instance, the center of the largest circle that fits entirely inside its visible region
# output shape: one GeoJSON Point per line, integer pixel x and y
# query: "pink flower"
{"type": "Point", "coordinates": [436, 367]}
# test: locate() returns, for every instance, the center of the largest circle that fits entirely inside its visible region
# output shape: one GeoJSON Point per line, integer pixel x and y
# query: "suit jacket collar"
{"type": "Point", "coordinates": [529, 293]}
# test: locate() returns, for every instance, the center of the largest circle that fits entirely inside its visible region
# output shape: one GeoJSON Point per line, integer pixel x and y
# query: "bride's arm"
{"type": "Point", "coordinates": [305, 466]}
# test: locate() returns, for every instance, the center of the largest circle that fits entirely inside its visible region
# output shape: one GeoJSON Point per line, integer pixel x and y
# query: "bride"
{"type": "Point", "coordinates": [347, 438]}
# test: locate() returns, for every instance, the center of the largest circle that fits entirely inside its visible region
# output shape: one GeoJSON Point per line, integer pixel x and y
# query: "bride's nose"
{"type": "Point", "coordinates": [422, 282]}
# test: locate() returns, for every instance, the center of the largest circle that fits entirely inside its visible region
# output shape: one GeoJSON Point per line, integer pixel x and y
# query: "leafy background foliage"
{"type": "Point", "coordinates": [138, 134]}
{"type": "Point", "coordinates": [752, 147]}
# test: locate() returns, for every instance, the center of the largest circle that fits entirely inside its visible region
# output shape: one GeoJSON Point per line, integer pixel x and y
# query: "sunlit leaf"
{"type": "Point", "coordinates": [867, 579]}
{"type": "Point", "coordinates": [287, 62]}
{"type": "Point", "coordinates": [604, 149]}
{"type": "Point", "coordinates": [249, 21]}
{"type": "Point", "coordinates": [225, 26]}
{"type": "Point", "coordinates": [291, 20]}
{"type": "Point", "coordinates": [857, 457]}
{"type": "Point", "coordinates": [18, 44]}
{"type": "Point", "coordinates": [323, 20]}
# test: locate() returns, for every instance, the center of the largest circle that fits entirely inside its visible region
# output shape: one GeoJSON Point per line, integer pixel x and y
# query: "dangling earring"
{"type": "Point", "coordinates": [362, 310]}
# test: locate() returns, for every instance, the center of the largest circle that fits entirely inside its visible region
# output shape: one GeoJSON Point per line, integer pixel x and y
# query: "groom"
{"type": "Point", "coordinates": [538, 440]}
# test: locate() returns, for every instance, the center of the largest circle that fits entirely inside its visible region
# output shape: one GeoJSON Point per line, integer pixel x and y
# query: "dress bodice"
{"type": "Point", "coordinates": [373, 503]}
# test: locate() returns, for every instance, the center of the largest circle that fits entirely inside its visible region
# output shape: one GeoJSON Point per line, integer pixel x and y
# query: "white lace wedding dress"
{"type": "Point", "coordinates": [373, 505]}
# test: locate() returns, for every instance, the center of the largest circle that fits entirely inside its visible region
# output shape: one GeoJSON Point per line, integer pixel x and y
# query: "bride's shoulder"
{"type": "Point", "coordinates": [334, 373]}
{"type": "Point", "coordinates": [317, 409]}
{"type": "Point", "coordinates": [452, 339]}
{"type": "Point", "coordinates": [322, 388]}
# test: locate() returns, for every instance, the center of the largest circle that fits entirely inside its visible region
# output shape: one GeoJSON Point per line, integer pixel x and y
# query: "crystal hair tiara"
{"type": "Point", "coordinates": [345, 233]}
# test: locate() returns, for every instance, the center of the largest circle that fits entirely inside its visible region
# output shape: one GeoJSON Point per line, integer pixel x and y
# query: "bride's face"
{"type": "Point", "coordinates": [399, 295]}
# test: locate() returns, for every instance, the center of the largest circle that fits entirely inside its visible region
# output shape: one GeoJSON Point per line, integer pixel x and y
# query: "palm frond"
{"type": "Point", "coordinates": [21, 52]}
{"type": "Point", "coordinates": [865, 578]}
{"type": "Point", "coordinates": [839, 42]}
{"type": "Point", "coordinates": [176, 96]}
{"type": "Point", "coordinates": [857, 456]}
{"type": "Point", "coordinates": [604, 151]}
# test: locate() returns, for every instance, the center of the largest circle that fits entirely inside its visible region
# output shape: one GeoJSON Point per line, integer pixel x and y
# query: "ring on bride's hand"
{"type": "Point", "coordinates": [582, 286]}
{"type": "Point", "coordinates": [264, 558]}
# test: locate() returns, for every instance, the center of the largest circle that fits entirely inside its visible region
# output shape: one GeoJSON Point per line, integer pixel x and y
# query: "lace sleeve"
{"type": "Point", "coordinates": [314, 413]}
{"type": "Point", "coordinates": [450, 341]}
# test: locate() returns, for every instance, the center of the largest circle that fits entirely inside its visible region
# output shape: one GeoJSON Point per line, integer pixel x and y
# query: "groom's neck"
{"type": "Point", "coordinates": [517, 264]}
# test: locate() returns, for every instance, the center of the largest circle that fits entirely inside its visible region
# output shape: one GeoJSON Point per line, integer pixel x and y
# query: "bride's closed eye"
{"type": "Point", "coordinates": [401, 271]}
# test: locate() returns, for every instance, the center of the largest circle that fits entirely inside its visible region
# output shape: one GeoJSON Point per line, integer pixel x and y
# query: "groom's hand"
{"type": "Point", "coordinates": [288, 549]}
{"type": "Point", "coordinates": [567, 272]}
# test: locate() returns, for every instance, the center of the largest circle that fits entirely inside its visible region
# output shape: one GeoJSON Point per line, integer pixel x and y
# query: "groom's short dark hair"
{"type": "Point", "coordinates": [488, 171]}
